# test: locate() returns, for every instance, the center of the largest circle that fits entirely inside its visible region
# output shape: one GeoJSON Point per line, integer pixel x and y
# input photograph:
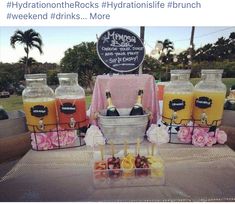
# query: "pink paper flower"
{"type": "Point", "coordinates": [50, 140]}
{"type": "Point", "coordinates": [64, 137]}
{"type": "Point", "coordinates": [221, 137]}
{"type": "Point", "coordinates": [70, 137]}
{"type": "Point", "coordinates": [200, 137]}
{"type": "Point", "coordinates": [211, 140]}
{"type": "Point", "coordinates": [41, 141]}
{"type": "Point", "coordinates": [200, 130]}
{"type": "Point", "coordinates": [57, 139]}
{"type": "Point", "coordinates": [184, 134]}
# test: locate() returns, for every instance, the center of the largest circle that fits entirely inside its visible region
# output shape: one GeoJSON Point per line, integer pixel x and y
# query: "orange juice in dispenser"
{"type": "Point", "coordinates": [70, 102]}
{"type": "Point", "coordinates": [209, 98]}
{"type": "Point", "coordinates": [39, 103]}
{"type": "Point", "coordinates": [178, 98]}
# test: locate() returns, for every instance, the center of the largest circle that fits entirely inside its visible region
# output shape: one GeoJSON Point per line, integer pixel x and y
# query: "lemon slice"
{"type": "Point", "coordinates": [131, 158]}
{"type": "Point", "coordinates": [127, 164]}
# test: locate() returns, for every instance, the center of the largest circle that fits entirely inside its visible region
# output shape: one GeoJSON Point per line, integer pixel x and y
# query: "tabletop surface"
{"type": "Point", "coordinates": [192, 174]}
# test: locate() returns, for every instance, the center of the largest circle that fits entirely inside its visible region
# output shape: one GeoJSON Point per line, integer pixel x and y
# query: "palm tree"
{"type": "Point", "coordinates": [31, 61]}
{"type": "Point", "coordinates": [166, 55]}
{"type": "Point", "coordinates": [29, 39]}
{"type": "Point", "coordinates": [167, 45]}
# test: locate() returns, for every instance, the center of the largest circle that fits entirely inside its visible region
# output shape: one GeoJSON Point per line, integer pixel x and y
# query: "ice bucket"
{"type": "Point", "coordinates": [124, 127]}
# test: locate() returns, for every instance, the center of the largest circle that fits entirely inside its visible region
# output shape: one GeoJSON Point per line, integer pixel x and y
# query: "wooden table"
{"type": "Point", "coordinates": [192, 174]}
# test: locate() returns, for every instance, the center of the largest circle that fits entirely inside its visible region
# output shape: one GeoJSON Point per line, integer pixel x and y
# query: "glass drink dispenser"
{"type": "Point", "coordinates": [178, 98]}
{"type": "Point", "coordinates": [39, 103]}
{"type": "Point", "coordinates": [209, 98]}
{"type": "Point", "coordinates": [70, 102]}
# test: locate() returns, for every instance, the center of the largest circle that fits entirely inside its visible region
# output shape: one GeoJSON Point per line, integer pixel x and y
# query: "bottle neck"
{"type": "Point", "coordinates": [68, 81]}
{"type": "Point", "coordinates": [139, 100]}
{"type": "Point", "coordinates": [110, 103]}
{"type": "Point", "coordinates": [179, 77]}
{"type": "Point", "coordinates": [36, 82]}
{"type": "Point", "coordinates": [212, 77]}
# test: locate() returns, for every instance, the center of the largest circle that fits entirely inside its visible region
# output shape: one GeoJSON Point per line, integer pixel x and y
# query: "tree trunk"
{"type": "Point", "coordinates": [27, 60]}
{"type": "Point", "coordinates": [91, 85]}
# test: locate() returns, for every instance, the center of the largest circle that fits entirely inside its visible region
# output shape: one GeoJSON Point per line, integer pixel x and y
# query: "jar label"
{"type": "Point", "coordinates": [39, 111]}
{"type": "Point", "coordinates": [203, 102]}
{"type": "Point", "coordinates": [177, 104]}
{"type": "Point", "coordinates": [68, 108]}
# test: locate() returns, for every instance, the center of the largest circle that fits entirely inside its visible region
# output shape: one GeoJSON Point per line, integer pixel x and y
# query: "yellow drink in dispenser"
{"type": "Point", "coordinates": [39, 104]}
{"type": "Point", "coordinates": [178, 104]}
{"type": "Point", "coordinates": [178, 98]}
{"type": "Point", "coordinates": [39, 113]}
{"type": "Point", "coordinates": [209, 98]}
{"type": "Point", "coordinates": [209, 105]}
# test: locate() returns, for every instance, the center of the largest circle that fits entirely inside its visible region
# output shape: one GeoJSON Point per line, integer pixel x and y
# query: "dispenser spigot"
{"type": "Point", "coordinates": [174, 116]}
{"type": "Point", "coordinates": [41, 124]}
{"type": "Point", "coordinates": [203, 118]}
{"type": "Point", "coordinates": [72, 123]}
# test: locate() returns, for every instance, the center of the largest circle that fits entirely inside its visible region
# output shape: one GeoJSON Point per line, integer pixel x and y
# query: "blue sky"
{"type": "Point", "coordinates": [58, 39]}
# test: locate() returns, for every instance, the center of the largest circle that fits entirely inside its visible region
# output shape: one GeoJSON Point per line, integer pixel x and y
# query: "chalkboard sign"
{"type": "Point", "coordinates": [39, 111]}
{"type": "Point", "coordinates": [121, 50]}
{"type": "Point", "coordinates": [67, 108]}
{"type": "Point", "coordinates": [177, 104]}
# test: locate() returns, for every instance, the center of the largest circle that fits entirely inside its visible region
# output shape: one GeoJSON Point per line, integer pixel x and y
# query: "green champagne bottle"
{"type": "Point", "coordinates": [138, 107]}
{"type": "Point", "coordinates": [111, 109]}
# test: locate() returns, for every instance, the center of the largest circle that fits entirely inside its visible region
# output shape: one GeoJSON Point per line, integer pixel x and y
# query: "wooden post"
{"type": "Point", "coordinates": [142, 29]}
{"type": "Point", "coordinates": [191, 43]}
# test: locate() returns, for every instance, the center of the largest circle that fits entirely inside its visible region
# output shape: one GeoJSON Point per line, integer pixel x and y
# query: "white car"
{"type": "Point", "coordinates": [4, 94]}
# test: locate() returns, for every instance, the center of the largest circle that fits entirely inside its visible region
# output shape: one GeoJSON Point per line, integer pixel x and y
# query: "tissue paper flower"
{"type": "Point", "coordinates": [71, 137]}
{"type": "Point", "coordinates": [40, 141]}
{"type": "Point", "coordinates": [158, 135]}
{"type": "Point", "coordinates": [199, 137]}
{"type": "Point", "coordinates": [57, 140]}
{"type": "Point", "coordinates": [211, 140]}
{"type": "Point", "coordinates": [184, 134]}
{"type": "Point", "coordinates": [50, 140]}
{"type": "Point", "coordinates": [67, 137]}
{"type": "Point", "coordinates": [94, 136]}
{"type": "Point", "coordinates": [221, 137]}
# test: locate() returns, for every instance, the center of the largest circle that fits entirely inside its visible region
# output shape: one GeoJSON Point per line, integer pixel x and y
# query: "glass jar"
{"type": "Point", "coordinates": [209, 98]}
{"type": "Point", "coordinates": [178, 98]}
{"type": "Point", "coordinates": [39, 103]}
{"type": "Point", "coordinates": [70, 101]}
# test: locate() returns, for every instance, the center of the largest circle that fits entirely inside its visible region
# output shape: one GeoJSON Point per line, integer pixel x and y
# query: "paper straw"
{"type": "Point", "coordinates": [125, 148]}
{"type": "Point", "coordinates": [112, 148]}
{"type": "Point", "coordinates": [152, 149]}
{"type": "Point", "coordinates": [138, 146]}
{"type": "Point", "coordinates": [102, 152]}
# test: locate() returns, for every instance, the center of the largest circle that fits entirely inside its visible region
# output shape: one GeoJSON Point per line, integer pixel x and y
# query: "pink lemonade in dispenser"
{"type": "Point", "coordinates": [70, 102]}
{"type": "Point", "coordinates": [71, 108]}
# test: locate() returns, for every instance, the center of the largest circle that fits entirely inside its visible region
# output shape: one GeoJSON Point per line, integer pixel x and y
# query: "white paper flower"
{"type": "Point", "coordinates": [158, 135]}
{"type": "Point", "coordinates": [94, 136]}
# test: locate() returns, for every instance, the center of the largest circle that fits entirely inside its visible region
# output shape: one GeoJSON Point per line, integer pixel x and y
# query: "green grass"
{"type": "Point", "coordinates": [15, 102]}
